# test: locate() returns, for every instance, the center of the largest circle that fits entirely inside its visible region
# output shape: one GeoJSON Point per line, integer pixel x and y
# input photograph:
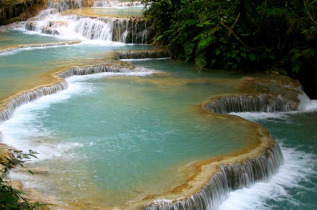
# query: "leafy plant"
{"type": "Point", "coordinates": [237, 33]}
{"type": "Point", "coordinates": [11, 198]}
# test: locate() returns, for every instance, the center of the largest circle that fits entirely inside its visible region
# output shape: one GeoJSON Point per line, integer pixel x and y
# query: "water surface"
{"type": "Point", "coordinates": [26, 68]}
{"type": "Point", "coordinates": [119, 12]}
{"type": "Point", "coordinates": [114, 138]}
{"type": "Point", "coordinates": [15, 37]}
{"type": "Point", "coordinates": [295, 184]}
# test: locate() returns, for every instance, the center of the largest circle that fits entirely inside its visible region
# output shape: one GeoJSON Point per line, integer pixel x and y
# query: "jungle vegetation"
{"type": "Point", "coordinates": [238, 34]}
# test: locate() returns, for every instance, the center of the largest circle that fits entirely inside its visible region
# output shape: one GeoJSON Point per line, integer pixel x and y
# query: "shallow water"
{"type": "Point", "coordinates": [109, 11]}
{"type": "Point", "coordinates": [113, 138]}
{"type": "Point", "coordinates": [26, 68]}
{"type": "Point", "coordinates": [15, 37]}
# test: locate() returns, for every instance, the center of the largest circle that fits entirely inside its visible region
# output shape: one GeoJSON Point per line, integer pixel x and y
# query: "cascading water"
{"type": "Point", "coordinates": [109, 29]}
{"type": "Point", "coordinates": [229, 178]}
{"type": "Point", "coordinates": [35, 94]}
{"type": "Point", "coordinates": [247, 103]}
{"type": "Point", "coordinates": [111, 3]}
{"type": "Point", "coordinates": [143, 54]}
{"type": "Point", "coordinates": [104, 3]}
{"type": "Point", "coordinates": [30, 96]}
{"type": "Point", "coordinates": [95, 29]}
{"type": "Point", "coordinates": [25, 46]}
{"type": "Point", "coordinates": [125, 30]}
{"type": "Point", "coordinates": [62, 5]}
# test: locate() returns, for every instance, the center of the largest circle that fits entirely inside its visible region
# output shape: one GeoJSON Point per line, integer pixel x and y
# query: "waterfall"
{"type": "Point", "coordinates": [95, 29]}
{"type": "Point", "coordinates": [25, 46]}
{"type": "Point", "coordinates": [31, 26]}
{"type": "Point", "coordinates": [30, 96]}
{"type": "Point", "coordinates": [62, 5]}
{"type": "Point", "coordinates": [112, 3]}
{"type": "Point", "coordinates": [306, 103]}
{"type": "Point", "coordinates": [144, 33]}
{"type": "Point", "coordinates": [37, 93]}
{"type": "Point", "coordinates": [49, 30]}
{"type": "Point", "coordinates": [143, 54]}
{"type": "Point", "coordinates": [125, 30]}
{"type": "Point", "coordinates": [230, 177]}
{"type": "Point", "coordinates": [91, 70]}
{"type": "Point", "coordinates": [45, 29]}
{"type": "Point", "coordinates": [251, 103]}
{"type": "Point", "coordinates": [104, 3]}
{"type": "Point", "coordinates": [46, 12]}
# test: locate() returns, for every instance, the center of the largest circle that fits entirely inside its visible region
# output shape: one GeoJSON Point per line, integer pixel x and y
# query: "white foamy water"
{"type": "Point", "coordinates": [102, 43]}
{"type": "Point", "coordinates": [24, 130]}
{"type": "Point", "coordinates": [297, 167]}
{"type": "Point", "coordinates": [117, 5]}
{"type": "Point", "coordinates": [69, 27]}
{"type": "Point", "coordinates": [82, 28]}
{"type": "Point", "coordinates": [306, 105]}
{"type": "Point", "coordinates": [146, 59]}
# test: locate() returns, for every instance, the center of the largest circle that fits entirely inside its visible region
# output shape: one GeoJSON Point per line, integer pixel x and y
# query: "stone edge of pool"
{"type": "Point", "coordinates": [37, 45]}
{"type": "Point", "coordinates": [216, 178]}
{"type": "Point", "coordinates": [213, 178]}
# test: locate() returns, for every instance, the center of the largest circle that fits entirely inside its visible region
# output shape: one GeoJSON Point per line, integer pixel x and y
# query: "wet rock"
{"type": "Point", "coordinates": [6, 154]}
{"type": "Point", "coordinates": [269, 93]}
{"type": "Point", "coordinates": [230, 177]}
{"type": "Point", "coordinates": [49, 30]}
{"type": "Point", "coordinates": [31, 26]}
{"type": "Point", "coordinates": [143, 54]}
{"type": "Point", "coordinates": [13, 10]}
{"type": "Point", "coordinates": [62, 5]}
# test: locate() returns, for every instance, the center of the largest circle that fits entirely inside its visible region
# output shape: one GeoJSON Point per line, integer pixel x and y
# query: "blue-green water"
{"type": "Point", "coordinates": [113, 138]}
{"type": "Point", "coordinates": [295, 184]}
{"type": "Point", "coordinates": [110, 11]}
{"type": "Point", "coordinates": [24, 69]}
{"type": "Point", "coordinates": [15, 37]}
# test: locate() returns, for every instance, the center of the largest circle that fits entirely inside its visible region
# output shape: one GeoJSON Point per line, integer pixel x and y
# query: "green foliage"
{"type": "Point", "coordinates": [237, 33]}
{"type": "Point", "coordinates": [11, 198]}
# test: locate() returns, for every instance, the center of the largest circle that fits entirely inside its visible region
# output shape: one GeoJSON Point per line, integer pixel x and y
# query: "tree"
{"type": "Point", "coordinates": [237, 33]}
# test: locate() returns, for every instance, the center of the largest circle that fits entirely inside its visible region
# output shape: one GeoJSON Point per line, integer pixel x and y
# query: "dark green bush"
{"type": "Point", "coordinates": [237, 33]}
